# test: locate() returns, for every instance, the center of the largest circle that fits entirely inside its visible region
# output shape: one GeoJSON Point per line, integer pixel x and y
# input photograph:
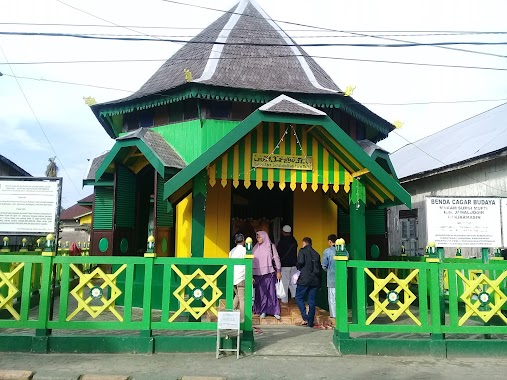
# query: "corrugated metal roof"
{"type": "Point", "coordinates": [474, 137]}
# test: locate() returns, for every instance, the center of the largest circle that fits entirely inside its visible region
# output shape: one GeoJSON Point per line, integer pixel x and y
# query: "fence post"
{"type": "Point", "coordinates": [149, 256]}
{"type": "Point", "coordinates": [437, 311]}
{"type": "Point", "coordinates": [41, 338]}
{"type": "Point", "coordinates": [341, 332]}
{"type": "Point", "coordinates": [5, 246]}
{"type": "Point", "coordinates": [247, 339]}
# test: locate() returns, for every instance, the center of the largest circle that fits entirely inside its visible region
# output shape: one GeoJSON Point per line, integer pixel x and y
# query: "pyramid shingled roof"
{"type": "Point", "coordinates": [165, 152]}
{"type": "Point", "coordinates": [226, 58]}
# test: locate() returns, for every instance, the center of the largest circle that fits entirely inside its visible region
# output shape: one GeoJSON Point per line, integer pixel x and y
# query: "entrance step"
{"type": "Point", "coordinates": [289, 313]}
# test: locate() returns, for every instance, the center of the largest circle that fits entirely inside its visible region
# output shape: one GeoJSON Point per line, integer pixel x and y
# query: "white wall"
{"type": "Point", "coordinates": [485, 179]}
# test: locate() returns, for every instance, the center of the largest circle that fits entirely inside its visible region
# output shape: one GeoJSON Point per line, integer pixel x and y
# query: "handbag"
{"type": "Point", "coordinates": [280, 291]}
{"type": "Point", "coordinates": [273, 263]}
{"type": "Point", "coordinates": [295, 277]}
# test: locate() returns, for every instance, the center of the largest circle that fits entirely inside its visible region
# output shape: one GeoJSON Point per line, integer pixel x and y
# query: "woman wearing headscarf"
{"type": "Point", "coordinates": [265, 276]}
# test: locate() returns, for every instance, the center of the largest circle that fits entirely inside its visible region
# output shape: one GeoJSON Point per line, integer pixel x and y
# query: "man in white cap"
{"type": "Point", "coordinates": [288, 250]}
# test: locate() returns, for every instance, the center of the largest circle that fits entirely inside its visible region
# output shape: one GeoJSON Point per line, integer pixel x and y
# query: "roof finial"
{"type": "Point", "coordinates": [349, 90]}
{"type": "Point", "coordinates": [188, 75]}
{"type": "Point", "coordinates": [89, 100]}
{"type": "Point", "coordinates": [398, 124]}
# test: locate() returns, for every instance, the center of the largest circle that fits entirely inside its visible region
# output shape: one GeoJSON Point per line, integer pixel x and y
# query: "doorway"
{"type": "Point", "coordinates": [255, 209]}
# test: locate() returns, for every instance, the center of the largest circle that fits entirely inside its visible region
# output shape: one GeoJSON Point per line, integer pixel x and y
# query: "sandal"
{"type": "Point", "coordinates": [304, 323]}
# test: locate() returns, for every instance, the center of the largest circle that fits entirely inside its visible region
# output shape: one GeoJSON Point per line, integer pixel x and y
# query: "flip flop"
{"type": "Point", "coordinates": [304, 323]}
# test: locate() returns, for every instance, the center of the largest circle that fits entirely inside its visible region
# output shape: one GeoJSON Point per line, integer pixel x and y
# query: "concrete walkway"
{"type": "Point", "coordinates": [176, 366]}
{"type": "Point", "coordinates": [283, 352]}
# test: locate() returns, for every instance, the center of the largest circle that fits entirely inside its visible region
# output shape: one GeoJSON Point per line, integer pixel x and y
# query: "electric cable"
{"type": "Point", "coordinates": [39, 123]}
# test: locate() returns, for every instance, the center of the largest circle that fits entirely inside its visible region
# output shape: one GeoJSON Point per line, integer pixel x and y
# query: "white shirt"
{"type": "Point", "coordinates": [238, 252]}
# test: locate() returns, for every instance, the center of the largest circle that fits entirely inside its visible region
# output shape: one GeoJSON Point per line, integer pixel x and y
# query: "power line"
{"type": "Point", "coordinates": [259, 44]}
{"type": "Point", "coordinates": [344, 100]}
{"type": "Point", "coordinates": [414, 32]}
{"type": "Point", "coordinates": [70, 83]}
{"type": "Point", "coordinates": [445, 164]}
{"type": "Point", "coordinates": [38, 122]}
{"type": "Point", "coordinates": [100, 18]}
{"type": "Point", "coordinates": [268, 57]}
{"type": "Point", "coordinates": [327, 29]}
{"type": "Point", "coordinates": [262, 34]}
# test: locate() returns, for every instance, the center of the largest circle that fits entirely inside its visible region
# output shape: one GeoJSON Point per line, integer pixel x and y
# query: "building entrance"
{"type": "Point", "coordinates": [255, 209]}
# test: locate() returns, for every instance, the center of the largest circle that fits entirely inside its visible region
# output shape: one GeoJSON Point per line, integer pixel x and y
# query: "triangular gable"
{"type": "Point", "coordinates": [138, 149]}
{"type": "Point", "coordinates": [288, 155]}
{"type": "Point", "coordinates": [336, 142]}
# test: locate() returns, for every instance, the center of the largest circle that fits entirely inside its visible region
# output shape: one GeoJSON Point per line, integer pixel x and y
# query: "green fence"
{"type": "Point", "coordinates": [414, 307]}
{"type": "Point", "coordinates": [96, 308]}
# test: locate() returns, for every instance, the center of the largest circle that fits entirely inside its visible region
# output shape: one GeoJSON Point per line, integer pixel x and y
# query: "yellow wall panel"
{"type": "Point", "coordinates": [315, 216]}
{"type": "Point", "coordinates": [218, 221]}
{"type": "Point", "coordinates": [87, 219]}
{"type": "Point", "coordinates": [184, 227]}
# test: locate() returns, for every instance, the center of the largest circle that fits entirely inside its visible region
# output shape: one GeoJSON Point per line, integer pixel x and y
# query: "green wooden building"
{"type": "Point", "coordinates": [240, 129]}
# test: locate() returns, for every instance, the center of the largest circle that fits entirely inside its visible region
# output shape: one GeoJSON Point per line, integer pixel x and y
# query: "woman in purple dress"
{"type": "Point", "coordinates": [265, 276]}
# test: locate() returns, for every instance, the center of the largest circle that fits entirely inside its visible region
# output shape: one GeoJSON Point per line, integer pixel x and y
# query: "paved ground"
{"type": "Point", "coordinates": [284, 352]}
{"type": "Point", "coordinates": [174, 366]}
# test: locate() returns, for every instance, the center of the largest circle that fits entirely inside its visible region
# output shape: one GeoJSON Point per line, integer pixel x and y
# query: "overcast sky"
{"type": "Point", "coordinates": [76, 136]}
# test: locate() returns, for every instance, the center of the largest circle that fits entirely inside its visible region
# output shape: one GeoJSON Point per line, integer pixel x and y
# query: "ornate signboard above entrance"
{"type": "Point", "coordinates": [280, 161]}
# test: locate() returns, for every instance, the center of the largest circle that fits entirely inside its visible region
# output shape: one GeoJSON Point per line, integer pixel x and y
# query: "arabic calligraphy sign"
{"type": "Point", "coordinates": [279, 161]}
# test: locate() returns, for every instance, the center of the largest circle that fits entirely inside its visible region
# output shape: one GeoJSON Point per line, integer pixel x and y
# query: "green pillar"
{"type": "Point", "coordinates": [357, 203]}
{"type": "Point", "coordinates": [198, 213]}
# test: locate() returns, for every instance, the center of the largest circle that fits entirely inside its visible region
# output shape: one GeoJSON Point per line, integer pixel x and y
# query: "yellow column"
{"type": "Point", "coordinates": [183, 227]}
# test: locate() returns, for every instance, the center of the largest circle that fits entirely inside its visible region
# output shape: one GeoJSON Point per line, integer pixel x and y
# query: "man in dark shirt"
{"type": "Point", "coordinates": [287, 250]}
{"type": "Point", "coordinates": [309, 281]}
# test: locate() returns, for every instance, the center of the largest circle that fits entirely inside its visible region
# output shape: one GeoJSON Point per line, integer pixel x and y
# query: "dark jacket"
{"type": "Point", "coordinates": [311, 270]}
{"type": "Point", "coordinates": [288, 251]}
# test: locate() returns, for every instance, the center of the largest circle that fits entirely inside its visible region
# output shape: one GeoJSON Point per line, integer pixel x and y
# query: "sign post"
{"type": "Point", "coordinates": [228, 320]}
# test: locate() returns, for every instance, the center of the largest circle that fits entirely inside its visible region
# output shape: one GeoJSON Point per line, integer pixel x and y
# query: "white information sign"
{"type": "Point", "coordinates": [503, 202]}
{"type": "Point", "coordinates": [464, 222]}
{"type": "Point", "coordinates": [28, 206]}
{"type": "Point", "coordinates": [228, 320]}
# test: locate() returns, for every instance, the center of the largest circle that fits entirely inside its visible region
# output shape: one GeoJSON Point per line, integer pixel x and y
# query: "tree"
{"type": "Point", "coordinates": [52, 168]}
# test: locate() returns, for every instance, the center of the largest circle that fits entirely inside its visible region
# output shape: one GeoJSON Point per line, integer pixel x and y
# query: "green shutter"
{"type": "Point", "coordinates": [376, 222]}
{"type": "Point", "coordinates": [125, 197]}
{"type": "Point", "coordinates": [103, 208]}
{"type": "Point", "coordinates": [164, 209]}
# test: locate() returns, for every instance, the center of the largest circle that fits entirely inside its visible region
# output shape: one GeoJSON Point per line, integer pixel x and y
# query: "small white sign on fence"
{"type": "Point", "coordinates": [228, 320]}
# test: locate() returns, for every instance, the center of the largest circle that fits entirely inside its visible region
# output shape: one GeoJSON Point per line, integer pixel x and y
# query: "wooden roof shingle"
{"type": "Point", "coordinates": [228, 54]}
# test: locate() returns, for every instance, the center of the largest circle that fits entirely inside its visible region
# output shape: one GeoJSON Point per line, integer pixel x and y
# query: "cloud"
{"type": "Point", "coordinates": [19, 135]}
